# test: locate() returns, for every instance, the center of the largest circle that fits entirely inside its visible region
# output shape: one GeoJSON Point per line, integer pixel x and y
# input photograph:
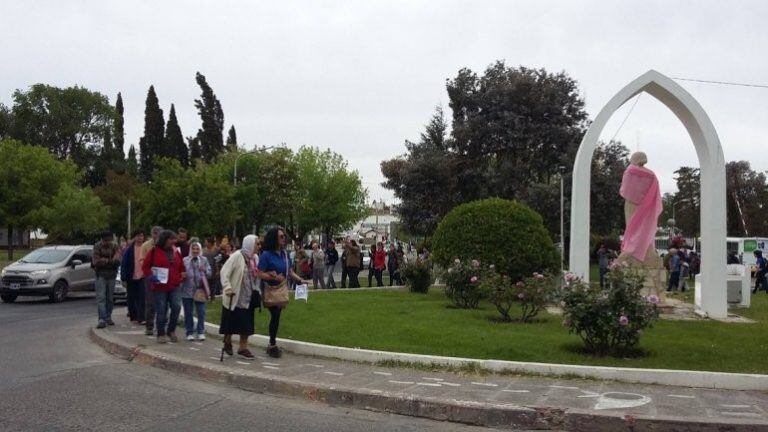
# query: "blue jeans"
{"type": "Point", "coordinates": [105, 297]}
{"type": "Point", "coordinates": [164, 301]}
{"type": "Point", "coordinates": [189, 323]}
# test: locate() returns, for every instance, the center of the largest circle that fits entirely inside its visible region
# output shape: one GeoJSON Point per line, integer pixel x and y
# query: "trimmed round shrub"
{"type": "Point", "coordinates": [503, 233]}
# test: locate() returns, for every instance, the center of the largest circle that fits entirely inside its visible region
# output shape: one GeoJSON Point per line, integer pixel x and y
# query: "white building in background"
{"type": "Point", "coordinates": [378, 226]}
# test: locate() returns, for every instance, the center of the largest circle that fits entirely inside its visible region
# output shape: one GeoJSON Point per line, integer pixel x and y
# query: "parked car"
{"type": "Point", "coordinates": [52, 271]}
{"type": "Point", "coordinates": [366, 259]}
{"type": "Point", "coordinates": [121, 294]}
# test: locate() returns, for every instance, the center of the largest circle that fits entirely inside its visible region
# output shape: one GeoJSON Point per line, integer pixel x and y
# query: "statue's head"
{"type": "Point", "coordinates": [638, 158]}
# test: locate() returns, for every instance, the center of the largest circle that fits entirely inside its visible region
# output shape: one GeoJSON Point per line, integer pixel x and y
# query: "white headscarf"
{"type": "Point", "coordinates": [249, 245]}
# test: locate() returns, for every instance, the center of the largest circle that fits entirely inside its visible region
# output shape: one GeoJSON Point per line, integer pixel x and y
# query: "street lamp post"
{"type": "Point", "coordinates": [234, 180]}
{"type": "Point", "coordinates": [562, 218]}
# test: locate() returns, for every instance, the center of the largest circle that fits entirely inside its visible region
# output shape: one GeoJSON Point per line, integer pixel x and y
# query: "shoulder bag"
{"type": "Point", "coordinates": [277, 296]}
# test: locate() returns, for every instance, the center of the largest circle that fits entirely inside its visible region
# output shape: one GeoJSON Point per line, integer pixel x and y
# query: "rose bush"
{"type": "Point", "coordinates": [462, 283]}
{"type": "Point", "coordinates": [532, 293]}
{"type": "Point", "coordinates": [608, 320]}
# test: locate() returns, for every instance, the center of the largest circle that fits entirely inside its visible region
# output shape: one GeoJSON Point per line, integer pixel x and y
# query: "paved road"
{"type": "Point", "coordinates": [53, 378]}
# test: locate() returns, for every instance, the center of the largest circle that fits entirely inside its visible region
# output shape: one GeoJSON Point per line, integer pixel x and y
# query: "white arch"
{"type": "Point", "coordinates": [711, 161]}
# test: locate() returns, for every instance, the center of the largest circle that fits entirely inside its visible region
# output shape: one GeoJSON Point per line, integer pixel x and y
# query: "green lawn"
{"type": "Point", "coordinates": [425, 324]}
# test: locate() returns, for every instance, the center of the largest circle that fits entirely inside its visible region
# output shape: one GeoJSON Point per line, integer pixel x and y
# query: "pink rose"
{"type": "Point", "coordinates": [623, 321]}
{"type": "Point", "coordinates": [473, 279]}
{"type": "Point", "coordinates": [539, 276]}
{"type": "Point", "coordinates": [475, 263]}
{"type": "Point", "coordinates": [653, 299]}
{"type": "Point", "coordinates": [520, 296]}
{"type": "Point", "coordinates": [520, 284]}
{"type": "Point", "coordinates": [457, 261]}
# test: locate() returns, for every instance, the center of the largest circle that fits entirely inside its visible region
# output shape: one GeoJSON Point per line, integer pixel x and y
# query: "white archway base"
{"type": "Point", "coordinates": [711, 161]}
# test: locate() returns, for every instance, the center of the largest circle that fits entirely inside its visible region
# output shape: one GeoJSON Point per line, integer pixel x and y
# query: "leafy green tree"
{"type": "Point", "coordinates": [232, 139]}
{"type": "Point", "coordinates": [211, 133]}
{"type": "Point", "coordinates": [71, 123]}
{"type": "Point", "coordinates": [6, 120]}
{"type": "Point", "coordinates": [330, 198]}
{"type": "Point", "coordinates": [29, 178]}
{"type": "Point", "coordinates": [267, 184]}
{"type": "Point", "coordinates": [131, 163]}
{"type": "Point", "coordinates": [151, 145]}
{"type": "Point", "coordinates": [424, 180]}
{"type": "Point", "coordinates": [608, 165]}
{"type": "Point", "coordinates": [74, 215]}
{"type": "Point", "coordinates": [115, 193]}
{"type": "Point", "coordinates": [174, 140]}
{"type": "Point", "coordinates": [197, 199]}
{"type": "Point", "coordinates": [513, 127]}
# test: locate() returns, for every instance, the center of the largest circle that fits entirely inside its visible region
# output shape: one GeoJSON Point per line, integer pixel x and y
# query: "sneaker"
{"type": "Point", "coordinates": [110, 322]}
{"type": "Point", "coordinates": [190, 338]}
{"type": "Point", "coordinates": [274, 352]}
{"type": "Point", "coordinates": [149, 332]}
{"type": "Point", "coordinates": [162, 339]}
{"type": "Point", "coordinates": [200, 337]}
{"type": "Point", "coordinates": [172, 337]}
{"type": "Point", "coordinates": [101, 325]}
{"type": "Point", "coordinates": [246, 354]}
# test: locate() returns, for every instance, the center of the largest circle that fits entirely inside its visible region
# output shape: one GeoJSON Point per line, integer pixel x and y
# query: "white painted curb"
{"type": "Point", "coordinates": [684, 378]}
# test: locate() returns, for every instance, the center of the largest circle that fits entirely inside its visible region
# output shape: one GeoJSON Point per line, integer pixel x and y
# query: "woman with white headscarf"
{"type": "Point", "coordinates": [239, 278]}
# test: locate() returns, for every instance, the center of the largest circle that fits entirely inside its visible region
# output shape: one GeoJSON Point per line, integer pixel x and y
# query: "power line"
{"type": "Point", "coordinates": [721, 82]}
{"type": "Point", "coordinates": [637, 99]}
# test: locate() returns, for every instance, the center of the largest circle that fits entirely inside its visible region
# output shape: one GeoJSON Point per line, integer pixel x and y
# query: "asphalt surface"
{"type": "Point", "coordinates": [53, 378]}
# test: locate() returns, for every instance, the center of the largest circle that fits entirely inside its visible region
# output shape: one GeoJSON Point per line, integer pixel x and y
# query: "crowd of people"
{"type": "Point", "coordinates": [168, 271]}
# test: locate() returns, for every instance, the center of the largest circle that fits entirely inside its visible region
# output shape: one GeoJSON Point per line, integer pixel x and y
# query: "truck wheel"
{"type": "Point", "coordinates": [8, 298]}
{"type": "Point", "coordinates": [59, 292]}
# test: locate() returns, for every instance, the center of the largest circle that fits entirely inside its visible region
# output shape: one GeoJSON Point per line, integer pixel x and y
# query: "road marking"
{"type": "Point", "coordinates": [428, 384]}
{"type": "Point", "coordinates": [216, 358]}
{"type": "Point", "coordinates": [485, 384]}
{"type": "Point", "coordinates": [271, 367]}
{"type": "Point", "coordinates": [270, 364]}
{"type": "Point", "coordinates": [588, 394]}
{"type": "Point", "coordinates": [450, 384]}
{"type": "Point", "coordinates": [382, 373]}
{"type": "Point", "coordinates": [516, 391]}
{"type": "Point", "coordinates": [681, 396]}
{"type": "Point", "coordinates": [243, 363]}
{"type": "Point", "coordinates": [741, 414]}
{"type": "Point", "coordinates": [315, 365]}
{"type": "Point", "coordinates": [616, 400]}
{"type": "Point", "coordinates": [333, 373]}
{"type": "Point", "coordinates": [401, 382]}
{"type": "Point", "coordinates": [194, 349]}
{"type": "Point", "coordinates": [564, 387]}
{"type": "Point", "coordinates": [736, 406]}
{"type": "Point", "coordinates": [432, 379]}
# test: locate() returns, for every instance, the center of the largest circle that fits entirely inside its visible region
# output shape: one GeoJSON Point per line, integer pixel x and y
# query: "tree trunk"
{"type": "Point", "coordinates": [10, 242]}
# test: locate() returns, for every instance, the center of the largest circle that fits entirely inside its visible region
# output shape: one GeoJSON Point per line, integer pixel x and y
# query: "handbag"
{"type": "Point", "coordinates": [276, 296]}
{"type": "Point", "coordinates": [200, 296]}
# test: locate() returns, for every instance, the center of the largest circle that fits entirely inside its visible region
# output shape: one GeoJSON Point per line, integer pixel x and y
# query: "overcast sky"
{"type": "Point", "coordinates": [361, 77]}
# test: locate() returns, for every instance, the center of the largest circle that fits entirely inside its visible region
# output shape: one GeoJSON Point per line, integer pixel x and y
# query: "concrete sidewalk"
{"type": "Point", "coordinates": [492, 400]}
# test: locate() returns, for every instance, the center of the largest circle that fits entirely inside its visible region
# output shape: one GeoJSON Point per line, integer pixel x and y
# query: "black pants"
{"type": "Point", "coordinates": [136, 292]}
{"type": "Point", "coordinates": [674, 280]}
{"type": "Point", "coordinates": [149, 304]}
{"type": "Point", "coordinates": [760, 281]}
{"type": "Point", "coordinates": [343, 276]}
{"type": "Point", "coordinates": [378, 274]}
{"type": "Point", "coordinates": [274, 323]}
{"type": "Point", "coordinates": [394, 277]}
{"type": "Point", "coordinates": [353, 273]}
{"type": "Point", "coordinates": [603, 272]}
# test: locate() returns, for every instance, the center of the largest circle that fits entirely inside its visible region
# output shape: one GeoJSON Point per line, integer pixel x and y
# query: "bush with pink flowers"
{"type": "Point", "coordinates": [532, 294]}
{"type": "Point", "coordinates": [462, 283]}
{"type": "Point", "coordinates": [610, 320]}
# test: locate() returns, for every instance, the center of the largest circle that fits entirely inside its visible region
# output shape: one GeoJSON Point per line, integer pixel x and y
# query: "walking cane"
{"type": "Point", "coordinates": [221, 359]}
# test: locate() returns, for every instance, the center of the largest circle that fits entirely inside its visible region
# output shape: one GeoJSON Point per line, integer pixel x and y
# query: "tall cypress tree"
{"type": "Point", "coordinates": [195, 153]}
{"type": "Point", "coordinates": [119, 140]}
{"type": "Point", "coordinates": [131, 165]}
{"type": "Point", "coordinates": [151, 145]}
{"type": "Point", "coordinates": [211, 134]}
{"type": "Point", "coordinates": [232, 139]}
{"type": "Point", "coordinates": [174, 140]}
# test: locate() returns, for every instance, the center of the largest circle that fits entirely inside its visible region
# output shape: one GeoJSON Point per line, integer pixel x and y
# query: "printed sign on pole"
{"type": "Point", "coordinates": [301, 292]}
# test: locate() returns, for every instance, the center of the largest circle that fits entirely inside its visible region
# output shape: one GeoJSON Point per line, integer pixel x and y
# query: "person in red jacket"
{"type": "Point", "coordinates": [164, 268]}
{"type": "Point", "coordinates": [379, 263]}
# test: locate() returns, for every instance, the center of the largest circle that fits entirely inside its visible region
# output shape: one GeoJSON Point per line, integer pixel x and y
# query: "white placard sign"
{"type": "Point", "coordinates": [301, 292]}
{"type": "Point", "coordinates": [161, 273]}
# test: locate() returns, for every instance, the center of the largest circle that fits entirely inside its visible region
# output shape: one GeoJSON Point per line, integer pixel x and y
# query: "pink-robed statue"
{"type": "Point", "coordinates": [642, 207]}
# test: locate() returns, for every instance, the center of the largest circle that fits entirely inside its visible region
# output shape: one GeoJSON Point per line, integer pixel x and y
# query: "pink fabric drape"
{"type": "Point", "coordinates": [641, 187]}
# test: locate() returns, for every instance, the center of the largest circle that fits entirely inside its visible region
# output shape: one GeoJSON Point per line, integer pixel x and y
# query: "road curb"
{"type": "Point", "coordinates": [507, 416]}
{"type": "Point", "coordinates": [671, 377]}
